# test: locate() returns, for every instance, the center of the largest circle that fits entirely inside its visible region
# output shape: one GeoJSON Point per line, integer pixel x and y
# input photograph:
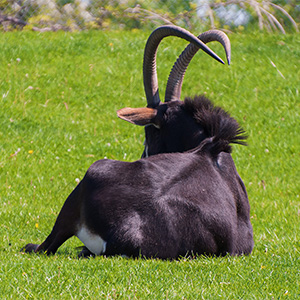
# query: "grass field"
{"type": "Point", "coordinates": [59, 93]}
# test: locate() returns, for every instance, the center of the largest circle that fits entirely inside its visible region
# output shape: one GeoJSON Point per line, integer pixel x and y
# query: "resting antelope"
{"type": "Point", "coordinates": [184, 196]}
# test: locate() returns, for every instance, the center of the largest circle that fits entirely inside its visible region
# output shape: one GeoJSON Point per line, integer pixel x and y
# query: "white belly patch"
{"type": "Point", "coordinates": [92, 241]}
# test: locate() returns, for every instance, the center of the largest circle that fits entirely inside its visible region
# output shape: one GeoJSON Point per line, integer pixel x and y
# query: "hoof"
{"type": "Point", "coordinates": [29, 248]}
{"type": "Point", "coordinates": [85, 252]}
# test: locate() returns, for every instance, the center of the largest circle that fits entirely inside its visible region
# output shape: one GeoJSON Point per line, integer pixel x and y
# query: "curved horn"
{"type": "Point", "coordinates": [174, 84]}
{"type": "Point", "coordinates": [149, 65]}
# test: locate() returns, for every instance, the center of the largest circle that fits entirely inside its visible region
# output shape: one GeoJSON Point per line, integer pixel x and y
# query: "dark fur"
{"type": "Point", "coordinates": [216, 124]}
{"type": "Point", "coordinates": [184, 125]}
{"type": "Point", "coordinates": [171, 204]}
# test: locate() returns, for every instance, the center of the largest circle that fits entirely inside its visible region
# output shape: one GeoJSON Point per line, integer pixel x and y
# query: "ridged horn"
{"type": "Point", "coordinates": [174, 84]}
{"type": "Point", "coordinates": [149, 65]}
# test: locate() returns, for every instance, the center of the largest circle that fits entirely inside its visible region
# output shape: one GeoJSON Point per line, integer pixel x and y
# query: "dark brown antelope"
{"type": "Point", "coordinates": [184, 196]}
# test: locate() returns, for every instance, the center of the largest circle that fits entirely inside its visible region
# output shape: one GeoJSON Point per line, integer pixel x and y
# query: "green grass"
{"type": "Point", "coordinates": [59, 93]}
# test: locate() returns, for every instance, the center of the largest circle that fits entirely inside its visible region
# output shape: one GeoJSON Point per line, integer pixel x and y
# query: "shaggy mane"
{"type": "Point", "coordinates": [220, 128]}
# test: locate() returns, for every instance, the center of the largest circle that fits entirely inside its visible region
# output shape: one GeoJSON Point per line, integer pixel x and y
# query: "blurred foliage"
{"type": "Point", "coordinates": [268, 15]}
{"type": "Point", "coordinates": [71, 15]}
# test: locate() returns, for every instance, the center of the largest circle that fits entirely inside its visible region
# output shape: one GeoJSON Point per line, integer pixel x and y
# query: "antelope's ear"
{"type": "Point", "coordinates": [139, 116]}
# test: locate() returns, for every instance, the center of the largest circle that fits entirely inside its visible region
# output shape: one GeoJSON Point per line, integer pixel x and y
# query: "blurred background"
{"type": "Point", "coordinates": [75, 15]}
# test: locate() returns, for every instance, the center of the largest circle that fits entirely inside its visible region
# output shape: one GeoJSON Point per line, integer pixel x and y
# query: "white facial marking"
{"type": "Point", "coordinates": [92, 241]}
{"type": "Point", "coordinates": [146, 151]}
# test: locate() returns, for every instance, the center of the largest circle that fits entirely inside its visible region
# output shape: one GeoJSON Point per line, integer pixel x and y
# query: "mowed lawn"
{"type": "Point", "coordinates": [59, 93]}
